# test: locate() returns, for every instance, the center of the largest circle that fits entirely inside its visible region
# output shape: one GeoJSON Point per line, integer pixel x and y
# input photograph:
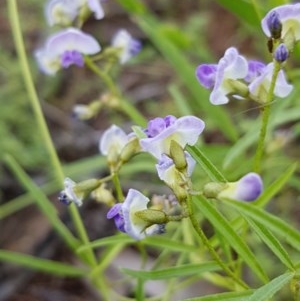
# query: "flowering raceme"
{"type": "Point", "coordinates": [64, 49]}
{"type": "Point", "coordinates": [161, 131]}
{"type": "Point", "coordinates": [64, 12]}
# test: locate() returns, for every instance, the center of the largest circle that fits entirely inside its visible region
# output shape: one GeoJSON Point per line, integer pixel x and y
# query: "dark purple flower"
{"type": "Point", "coordinates": [71, 57]}
{"type": "Point", "coordinates": [274, 24]}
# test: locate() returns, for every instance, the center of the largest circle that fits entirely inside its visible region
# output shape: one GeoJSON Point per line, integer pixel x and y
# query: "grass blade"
{"type": "Point", "coordinates": [267, 291]}
{"type": "Point", "coordinates": [42, 265]}
{"type": "Point", "coordinates": [271, 222]}
{"type": "Point", "coordinates": [231, 296]}
{"type": "Point", "coordinates": [230, 234]}
{"type": "Point", "coordinates": [43, 203]}
{"type": "Point", "coordinates": [206, 164]}
{"type": "Point", "coordinates": [177, 271]}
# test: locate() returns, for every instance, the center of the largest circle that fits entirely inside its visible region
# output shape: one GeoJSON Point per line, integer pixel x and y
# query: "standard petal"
{"type": "Point", "coordinates": [72, 39]}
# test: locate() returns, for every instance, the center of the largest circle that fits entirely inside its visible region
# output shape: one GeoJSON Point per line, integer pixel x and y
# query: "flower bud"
{"type": "Point", "coordinates": [274, 25]}
{"type": "Point", "coordinates": [281, 53]}
{"type": "Point", "coordinates": [130, 149]}
{"type": "Point", "coordinates": [152, 216]}
{"type": "Point", "coordinates": [103, 195]}
{"type": "Point", "coordinates": [178, 156]}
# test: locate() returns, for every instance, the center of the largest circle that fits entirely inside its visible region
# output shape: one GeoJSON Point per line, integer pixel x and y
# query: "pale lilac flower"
{"type": "Point", "coordinates": [64, 12]}
{"type": "Point", "coordinates": [113, 140]}
{"type": "Point", "coordinates": [288, 16]}
{"type": "Point", "coordinates": [260, 86]}
{"type": "Point", "coordinates": [167, 171]}
{"type": "Point", "coordinates": [116, 213]}
{"type": "Point", "coordinates": [127, 45]}
{"type": "Point", "coordinates": [231, 66]}
{"type": "Point", "coordinates": [161, 131]}
{"type": "Point", "coordinates": [247, 189]}
{"type": "Point", "coordinates": [281, 53]}
{"type": "Point", "coordinates": [135, 226]}
{"type": "Point", "coordinates": [255, 69]}
{"type": "Point", "coordinates": [66, 48]}
{"type": "Point", "coordinates": [69, 195]}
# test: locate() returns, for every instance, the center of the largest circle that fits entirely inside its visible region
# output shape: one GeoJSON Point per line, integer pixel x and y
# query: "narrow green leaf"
{"type": "Point", "coordinates": [230, 234]}
{"type": "Point", "coordinates": [177, 271]}
{"type": "Point", "coordinates": [272, 242]}
{"type": "Point", "coordinates": [107, 241]}
{"type": "Point", "coordinates": [271, 222]}
{"type": "Point", "coordinates": [168, 244]}
{"type": "Point", "coordinates": [231, 296]}
{"type": "Point", "coordinates": [42, 201]}
{"type": "Point", "coordinates": [267, 291]}
{"type": "Point", "coordinates": [42, 265]}
{"type": "Point", "coordinates": [276, 186]}
{"type": "Point", "coordinates": [206, 164]}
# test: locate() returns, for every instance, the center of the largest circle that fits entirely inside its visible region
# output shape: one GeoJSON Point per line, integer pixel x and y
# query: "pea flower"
{"type": "Point", "coordinates": [284, 19]}
{"type": "Point", "coordinates": [127, 45]}
{"type": "Point", "coordinates": [69, 194]}
{"type": "Point", "coordinates": [161, 131]}
{"type": "Point", "coordinates": [222, 77]}
{"type": "Point", "coordinates": [168, 173]}
{"type": "Point", "coordinates": [260, 86]}
{"type": "Point", "coordinates": [247, 189]}
{"type": "Point", "coordinates": [64, 12]}
{"type": "Point", "coordinates": [64, 49]}
{"type": "Point", "coordinates": [127, 219]}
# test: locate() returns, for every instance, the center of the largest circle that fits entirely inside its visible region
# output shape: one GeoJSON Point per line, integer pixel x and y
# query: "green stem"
{"type": "Point", "coordinates": [35, 104]}
{"type": "Point", "coordinates": [118, 187]}
{"type": "Point", "coordinates": [125, 106]}
{"type": "Point", "coordinates": [265, 119]}
{"type": "Point", "coordinates": [212, 251]}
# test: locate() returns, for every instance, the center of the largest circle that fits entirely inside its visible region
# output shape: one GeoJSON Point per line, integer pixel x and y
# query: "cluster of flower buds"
{"type": "Point", "coordinates": [235, 77]}
{"type": "Point", "coordinates": [70, 45]}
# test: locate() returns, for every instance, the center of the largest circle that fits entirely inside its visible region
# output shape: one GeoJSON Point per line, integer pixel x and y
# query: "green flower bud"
{"type": "Point", "coordinates": [178, 156]}
{"type": "Point", "coordinates": [152, 216]}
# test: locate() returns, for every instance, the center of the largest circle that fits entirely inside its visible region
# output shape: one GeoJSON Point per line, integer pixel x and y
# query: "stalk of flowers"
{"type": "Point", "coordinates": [235, 77]}
{"type": "Point", "coordinates": [166, 139]}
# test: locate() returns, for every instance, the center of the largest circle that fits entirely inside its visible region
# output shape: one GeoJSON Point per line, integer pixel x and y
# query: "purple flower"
{"type": "Point", "coordinates": [288, 16]}
{"type": "Point", "coordinates": [127, 220]}
{"type": "Point", "coordinates": [69, 194]}
{"type": "Point", "coordinates": [231, 66]}
{"type": "Point", "coordinates": [168, 173]}
{"type": "Point", "coordinates": [255, 69]}
{"type": "Point", "coordinates": [64, 49]}
{"type": "Point", "coordinates": [128, 46]}
{"type": "Point", "coordinates": [116, 213]}
{"type": "Point", "coordinates": [247, 189]}
{"type": "Point", "coordinates": [64, 12]}
{"type": "Point", "coordinates": [260, 86]}
{"type": "Point", "coordinates": [274, 24]}
{"type": "Point", "coordinates": [281, 53]}
{"type": "Point", "coordinates": [161, 131]}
